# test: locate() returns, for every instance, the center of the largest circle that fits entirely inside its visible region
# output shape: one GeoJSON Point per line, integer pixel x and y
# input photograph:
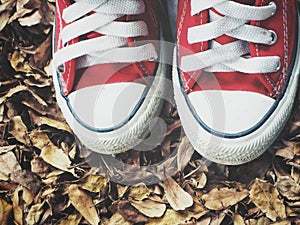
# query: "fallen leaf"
{"type": "Point", "coordinates": [218, 199]}
{"type": "Point", "coordinates": [9, 163]}
{"type": "Point", "coordinates": [12, 92]}
{"type": "Point", "coordinates": [83, 203]}
{"type": "Point", "coordinates": [5, 211]}
{"type": "Point", "coordinates": [288, 188]}
{"type": "Point", "coordinates": [31, 20]}
{"type": "Point", "coordinates": [96, 184]}
{"type": "Point", "coordinates": [149, 208]}
{"type": "Point", "coordinates": [18, 212]}
{"type": "Point", "coordinates": [50, 153]}
{"type": "Point", "coordinates": [185, 153]}
{"type": "Point", "coordinates": [171, 217]}
{"type": "Point", "coordinates": [266, 197]}
{"type": "Point", "coordinates": [130, 213]}
{"type": "Point", "coordinates": [117, 219]}
{"type": "Point", "coordinates": [282, 223]}
{"type": "Point", "coordinates": [176, 196]}
{"type": "Point", "coordinates": [72, 219]}
{"type": "Point", "coordinates": [238, 220]}
{"type": "Point", "coordinates": [35, 213]}
{"type": "Point", "coordinates": [199, 180]}
{"type": "Point", "coordinates": [19, 130]}
{"type": "Point", "coordinates": [41, 120]}
{"type": "Point", "coordinates": [139, 192]}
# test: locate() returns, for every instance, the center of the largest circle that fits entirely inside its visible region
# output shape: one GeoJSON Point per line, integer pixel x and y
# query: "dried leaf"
{"type": "Point", "coordinates": [266, 197]}
{"type": "Point", "coordinates": [150, 208]}
{"type": "Point", "coordinates": [139, 192]}
{"type": "Point", "coordinates": [288, 188]}
{"type": "Point", "coordinates": [282, 223]}
{"type": "Point", "coordinates": [72, 219]}
{"type": "Point", "coordinates": [31, 20]}
{"type": "Point", "coordinates": [35, 213]}
{"type": "Point", "coordinates": [117, 219]}
{"type": "Point", "coordinates": [185, 152]}
{"type": "Point", "coordinates": [5, 211]}
{"type": "Point", "coordinates": [176, 196]}
{"type": "Point", "coordinates": [19, 130]}
{"type": "Point", "coordinates": [171, 217]}
{"type": "Point", "coordinates": [50, 153]}
{"type": "Point", "coordinates": [218, 199]}
{"type": "Point", "coordinates": [12, 92]}
{"type": "Point", "coordinates": [41, 120]}
{"type": "Point", "coordinates": [130, 213]}
{"type": "Point", "coordinates": [83, 203]}
{"type": "Point", "coordinates": [238, 220]}
{"type": "Point", "coordinates": [18, 212]}
{"type": "Point", "coordinates": [96, 184]}
{"type": "Point", "coordinates": [9, 163]}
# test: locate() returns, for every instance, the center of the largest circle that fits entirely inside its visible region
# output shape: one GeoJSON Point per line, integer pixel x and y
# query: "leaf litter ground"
{"type": "Point", "coordinates": [46, 178]}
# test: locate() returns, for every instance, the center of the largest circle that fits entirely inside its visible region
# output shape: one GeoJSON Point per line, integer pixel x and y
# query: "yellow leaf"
{"type": "Point", "coordinates": [150, 208]}
{"type": "Point", "coordinates": [95, 183]}
{"type": "Point", "coordinates": [176, 196]}
{"type": "Point", "coordinates": [83, 203]}
{"type": "Point", "coordinates": [50, 153]}
{"type": "Point", "coordinates": [5, 211]}
{"type": "Point", "coordinates": [218, 199]}
{"type": "Point", "coordinates": [73, 219]}
{"type": "Point", "coordinates": [266, 197]}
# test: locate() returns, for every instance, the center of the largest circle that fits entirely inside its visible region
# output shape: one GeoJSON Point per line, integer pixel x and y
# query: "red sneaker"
{"type": "Point", "coordinates": [108, 80]}
{"type": "Point", "coordinates": [236, 74]}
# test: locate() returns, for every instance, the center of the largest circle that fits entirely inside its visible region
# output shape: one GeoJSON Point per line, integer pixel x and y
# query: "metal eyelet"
{"type": "Point", "coordinates": [274, 37]}
{"type": "Point", "coordinates": [61, 69]}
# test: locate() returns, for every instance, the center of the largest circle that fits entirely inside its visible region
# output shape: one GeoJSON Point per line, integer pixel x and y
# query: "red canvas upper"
{"type": "Point", "coordinates": [72, 79]}
{"type": "Point", "coordinates": [283, 23]}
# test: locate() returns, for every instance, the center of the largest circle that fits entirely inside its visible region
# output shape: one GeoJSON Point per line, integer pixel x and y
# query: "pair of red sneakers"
{"type": "Point", "coordinates": [235, 72]}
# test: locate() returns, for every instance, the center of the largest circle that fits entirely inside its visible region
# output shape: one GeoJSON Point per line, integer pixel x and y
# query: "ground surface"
{"type": "Point", "coordinates": [45, 178]}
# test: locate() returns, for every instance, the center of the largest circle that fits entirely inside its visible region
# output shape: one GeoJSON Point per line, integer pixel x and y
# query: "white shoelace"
{"type": "Point", "coordinates": [110, 48]}
{"type": "Point", "coordinates": [234, 56]}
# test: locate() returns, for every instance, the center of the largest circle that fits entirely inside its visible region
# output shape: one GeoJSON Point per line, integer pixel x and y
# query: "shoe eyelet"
{"type": "Point", "coordinates": [275, 7]}
{"type": "Point", "coordinates": [278, 66]}
{"type": "Point", "coordinates": [61, 69]}
{"type": "Point", "coordinates": [274, 37]}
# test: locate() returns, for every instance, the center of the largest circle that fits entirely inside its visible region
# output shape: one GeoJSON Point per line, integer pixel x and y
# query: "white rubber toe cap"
{"type": "Point", "coordinates": [106, 106]}
{"type": "Point", "coordinates": [230, 112]}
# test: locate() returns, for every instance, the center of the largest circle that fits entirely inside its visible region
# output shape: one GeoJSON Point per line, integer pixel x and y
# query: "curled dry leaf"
{"type": "Point", "coordinates": [176, 196]}
{"type": "Point", "coordinates": [42, 120]}
{"type": "Point", "coordinates": [185, 153]}
{"type": "Point", "coordinates": [150, 208]}
{"type": "Point", "coordinates": [5, 211]}
{"type": "Point", "coordinates": [83, 203]}
{"type": "Point", "coordinates": [50, 153]}
{"type": "Point", "coordinates": [238, 220]}
{"type": "Point", "coordinates": [31, 20]}
{"type": "Point", "coordinates": [288, 188]}
{"type": "Point", "coordinates": [218, 199]}
{"type": "Point", "coordinates": [266, 197]}
{"type": "Point", "coordinates": [130, 213]}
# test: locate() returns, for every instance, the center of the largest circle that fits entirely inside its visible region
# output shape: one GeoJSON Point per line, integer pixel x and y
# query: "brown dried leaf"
{"type": "Point", "coordinates": [266, 197]}
{"type": "Point", "coordinates": [35, 213]}
{"type": "Point", "coordinates": [50, 153]}
{"type": "Point", "coordinates": [11, 92]}
{"type": "Point", "coordinates": [176, 196]}
{"type": "Point", "coordinates": [72, 219]}
{"type": "Point", "coordinates": [5, 211]}
{"type": "Point", "coordinates": [5, 11]}
{"type": "Point", "coordinates": [185, 153]}
{"type": "Point", "coordinates": [218, 199]}
{"type": "Point", "coordinates": [282, 223]}
{"type": "Point", "coordinates": [130, 213]}
{"type": "Point", "coordinates": [83, 203]}
{"type": "Point", "coordinates": [96, 184]}
{"type": "Point", "coordinates": [238, 220]}
{"type": "Point", "coordinates": [19, 130]}
{"type": "Point", "coordinates": [31, 20]}
{"type": "Point", "coordinates": [150, 208]}
{"type": "Point", "coordinates": [18, 212]}
{"type": "Point", "coordinates": [9, 163]}
{"type": "Point", "coordinates": [42, 120]}
{"type": "Point", "coordinates": [139, 192]}
{"type": "Point", "coordinates": [288, 188]}
{"type": "Point", "coordinates": [171, 217]}
{"type": "Point", "coordinates": [117, 219]}
{"type": "Point", "coordinates": [19, 63]}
